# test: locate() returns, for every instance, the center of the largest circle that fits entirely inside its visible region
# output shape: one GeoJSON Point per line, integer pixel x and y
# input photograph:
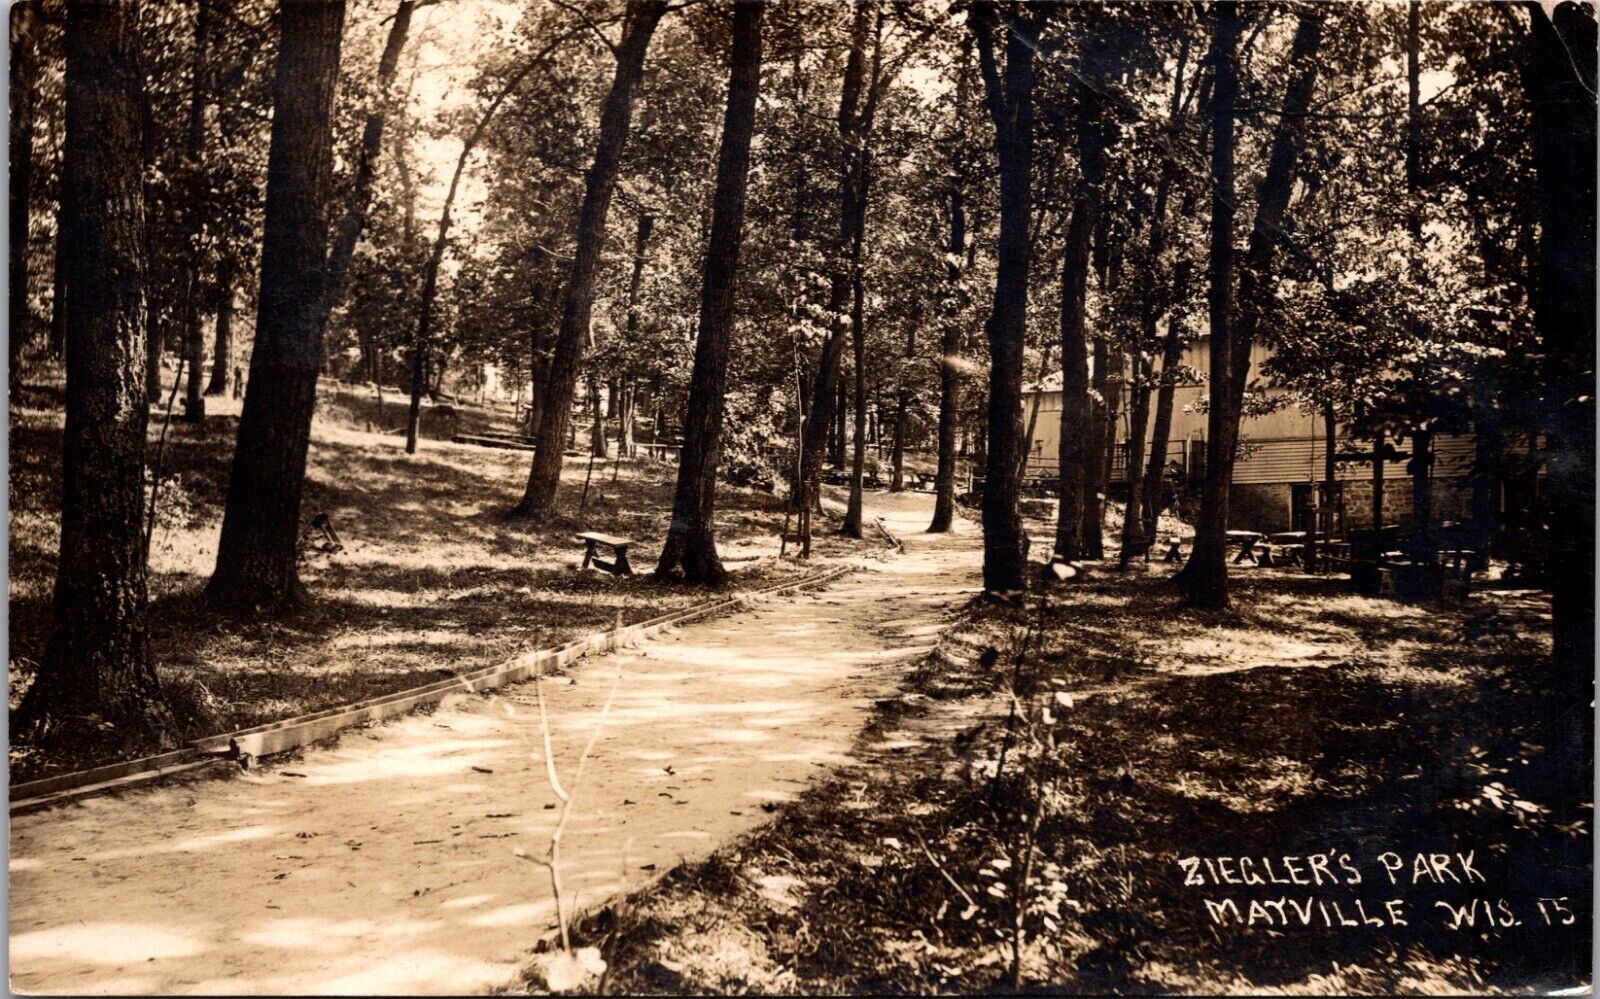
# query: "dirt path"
{"type": "Point", "coordinates": [387, 863]}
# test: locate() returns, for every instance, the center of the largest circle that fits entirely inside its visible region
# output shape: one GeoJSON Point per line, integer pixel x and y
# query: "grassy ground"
{"type": "Point", "coordinates": [1306, 726]}
{"type": "Point", "coordinates": [432, 579]}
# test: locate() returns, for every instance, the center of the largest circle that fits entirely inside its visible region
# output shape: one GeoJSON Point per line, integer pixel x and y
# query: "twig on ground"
{"type": "Point", "coordinates": [553, 859]}
{"type": "Point", "coordinates": [940, 868]}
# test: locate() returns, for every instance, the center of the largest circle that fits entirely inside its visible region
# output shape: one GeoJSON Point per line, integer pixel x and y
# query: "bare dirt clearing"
{"type": "Point", "coordinates": [386, 863]}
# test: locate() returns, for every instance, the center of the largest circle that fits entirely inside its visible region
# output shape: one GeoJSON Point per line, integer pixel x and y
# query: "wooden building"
{"type": "Point", "coordinates": [1278, 473]}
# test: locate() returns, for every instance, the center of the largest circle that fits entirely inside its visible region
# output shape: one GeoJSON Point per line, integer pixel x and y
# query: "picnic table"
{"type": "Point", "coordinates": [619, 548]}
{"type": "Point", "coordinates": [1246, 540]}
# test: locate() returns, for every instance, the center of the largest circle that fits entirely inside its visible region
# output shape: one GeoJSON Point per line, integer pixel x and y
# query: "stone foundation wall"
{"type": "Point", "coordinates": [1452, 500]}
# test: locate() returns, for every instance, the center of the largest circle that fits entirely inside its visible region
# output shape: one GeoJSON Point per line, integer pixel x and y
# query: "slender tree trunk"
{"type": "Point", "coordinates": [841, 427]}
{"type": "Point", "coordinates": [24, 76]}
{"type": "Point", "coordinates": [1077, 468]}
{"type": "Point", "coordinates": [1074, 446]}
{"type": "Point", "coordinates": [194, 341]}
{"type": "Point", "coordinates": [347, 230]}
{"type": "Point", "coordinates": [897, 446]}
{"type": "Point", "coordinates": [1138, 529]}
{"type": "Point", "coordinates": [614, 408]}
{"type": "Point", "coordinates": [858, 455]}
{"type": "Point", "coordinates": [1134, 538]}
{"type": "Point", "coordinates": [1161, 431]}
{"type": "Point", "coordinates": [58, 286]}
{"type": "Point", "coordinates": [544, 477]}
{"type": "Point", "coordinates": [1095, 434]}
{"type": "Point", "coordinates": [1330, 468]}
{"type": "Point", "coordinates": [853, 508]}
{"type": "Point", "coordinates": [1421, 464]}
{"type": "Point", "coordinates": [626, 417]}
{"type": "Point", "coordinates": [155, 319]}
{"type": "Point", "coordinates": [691, 542]}
{"type": "Point", "coordinates": [1560, 81]}
{"type": "Point", "coordinates": [1206, 573]}
{"type": "Point", "coordinates": [222, 345]}
{"type": "Point", "coordinates": [96, 668]}
{"type": "Point", "coordinates": [852, 132]}
{"type": "Point", "coordinates": [950, 343]}
{"type": "Point", "coordinates": [597, 422]}
{"type": "Point", "coordinates": [260, 524]}
{"type": "Point", "coordinates": [1010, 102]}
{"type": "Point", "coordinates": [1378, 447]}
{"type": "Point", "coordinates": [641, 241]}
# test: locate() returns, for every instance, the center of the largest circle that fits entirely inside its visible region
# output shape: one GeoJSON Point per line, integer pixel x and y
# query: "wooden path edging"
{"type": "Point", "coordinates": [246, 745]}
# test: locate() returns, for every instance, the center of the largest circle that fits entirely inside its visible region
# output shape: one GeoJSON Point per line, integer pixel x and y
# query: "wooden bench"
{"type": "Point", "coordinates": [619, 549]}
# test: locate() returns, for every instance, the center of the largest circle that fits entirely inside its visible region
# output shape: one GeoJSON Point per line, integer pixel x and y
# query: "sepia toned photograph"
{"type": "Point", "coordinates": [709, 497]}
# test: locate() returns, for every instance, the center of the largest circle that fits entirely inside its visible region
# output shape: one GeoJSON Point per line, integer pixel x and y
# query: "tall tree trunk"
{"type": "Point", "coordinates": [260, 524]}
{"type": "Point", "coordinates": [95, 666]}
{"type": "Point", "coordinates": [902, 406]}
{"type": "Point", "coordinates": [641, 241]}
{"type": "Point", "coordinates": [222, 345]}
{"type": "Point", "coordinates": [1161, 426]}
{"type": "Point", "coordinates": [1073, 444]}
{"type": "Point", "coordinates": [852, 132]}
{"type": "Point", "coordinates": [1378, 448]}
{"type": "Point", "coordinates": [1421, 464]}
{"type": "Point", "coordinates": [544, 477]}
{"type": "Point", "coordinates": [597, 422]}
{"type": "Point", "coordinates": [1095, 458]}
{"type": "Point", "coordinates": [863, 156]}
{"type": "Point", "coordinates": [950, 343]}
{"type": "Point", "coordinates": [691, 541]}
{"type": "Point", "coordinates": [1330, 467]}
{"type": "Point", "coordinates": [1075, 449]}
{"type": "Point", "coordinates": [24, 76]}
{"type": "Point", "coordinates": [625, 415]}
{"type": "Point", "coordinates": [194, 341]}
{"type": "Point", "coordinates": [1560, 80]}
{"type": "Point", "coordinates": [1135, 540]}
{"type": "Point", "coordinates": [841, 428]}
{"type": "Point", "coordinates": [155, 320]}
{"type": "Point", "coordinates": [1137, 535]}
{"type": "Point", "coordinates": [1206, 573]}
{"type": "Point", "coordinates": [347, 230]}
{"type": "Point", "coordinates": [858, 455]}
{"type": "Point", "coordinates": [542, 341]}
{"type": "Point", "coordinates": [58, 286]}
{"type": "Point", "coordinates": [1010, 101]}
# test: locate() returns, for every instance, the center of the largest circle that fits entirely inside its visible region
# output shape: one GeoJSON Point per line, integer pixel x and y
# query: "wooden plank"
{"type": "Point", "coordinates": [605, 539]}
{"type": "Point", "coordinates": [98, 775]}
{"type": "Point", "coordinates": [125, 782]}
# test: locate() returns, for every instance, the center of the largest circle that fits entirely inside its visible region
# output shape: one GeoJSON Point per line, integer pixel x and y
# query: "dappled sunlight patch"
{"type": "Point", "coordinates": [103, 943]}
{"type": "Point", "coordinates": [328, 936]}
{"type": "Point", "coordinates": [190, 844]}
